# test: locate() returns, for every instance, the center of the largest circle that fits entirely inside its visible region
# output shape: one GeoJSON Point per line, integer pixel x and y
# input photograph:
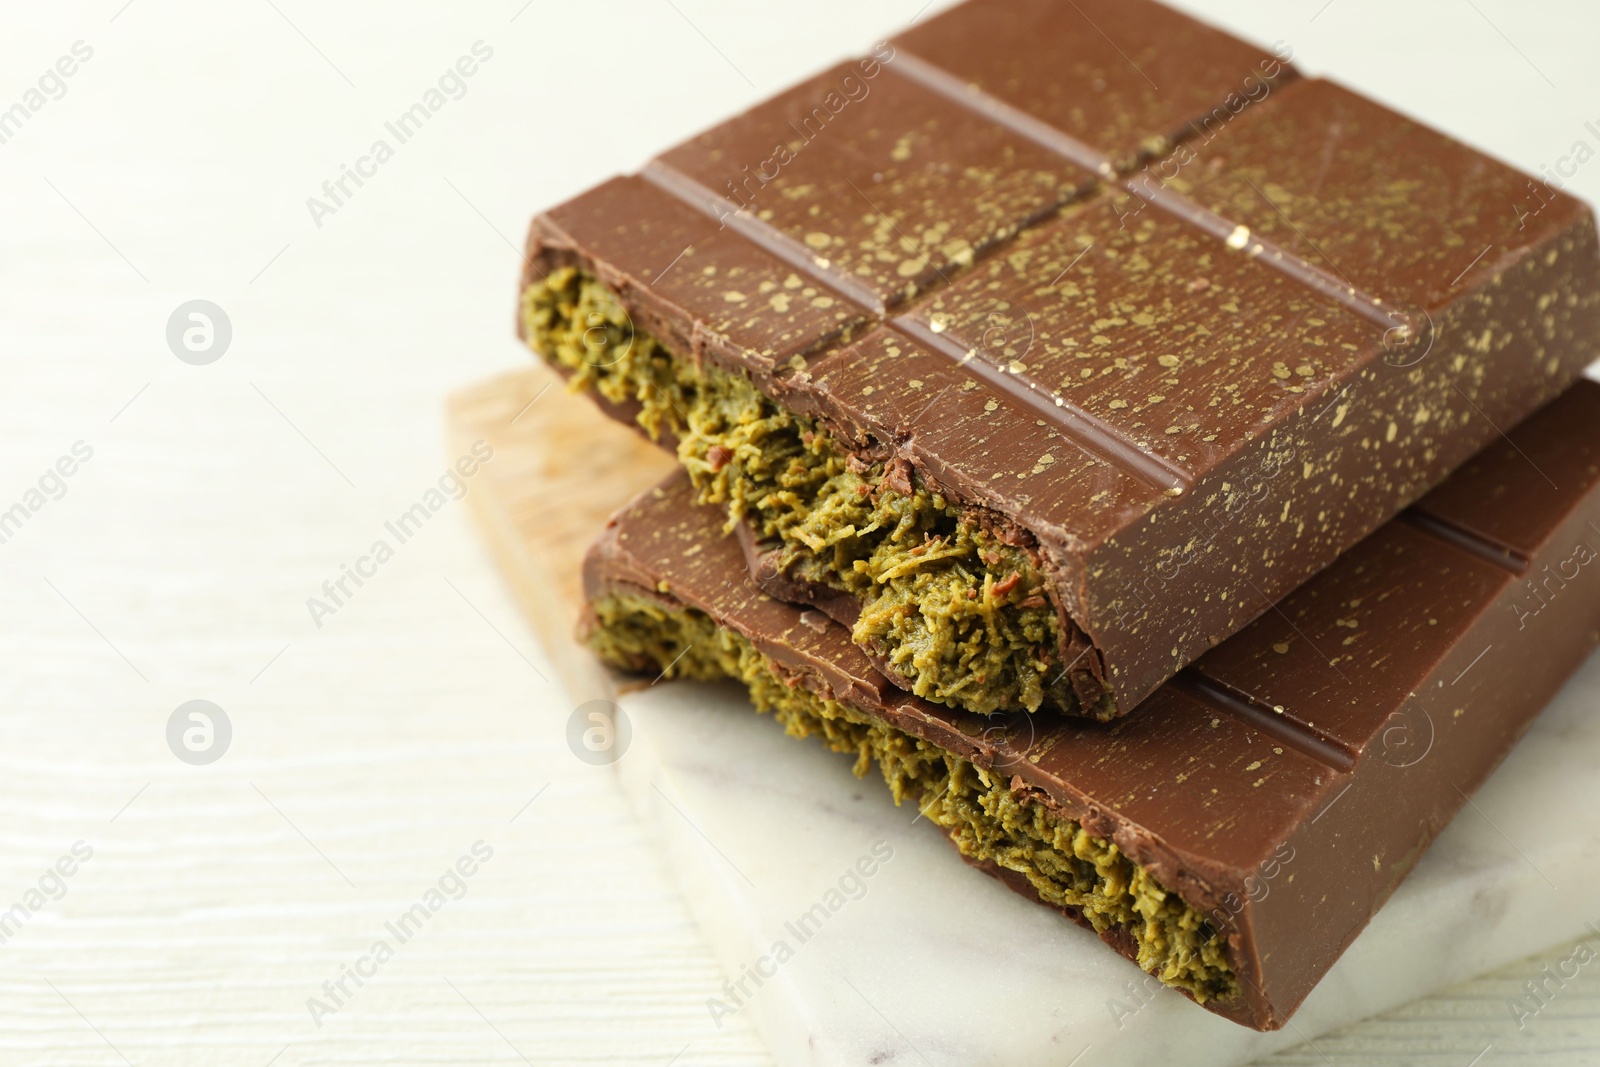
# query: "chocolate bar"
{"type": "Point", "coordinates": [1235, 834]}
{"type": "Point", "coordinates": [1049, 344]}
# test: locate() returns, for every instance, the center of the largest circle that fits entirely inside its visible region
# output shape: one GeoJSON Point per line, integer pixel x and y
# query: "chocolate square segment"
{"type": "Point", "coordinates": [1108, 81]}
{"type": "Point", "coordinates": [1148, 342]}
{"type": "Point", "coordinates": [1147, 328]}
{"type": "Point", "coordinates": [680, 273]}
{"type": "Point", "coordinates": [871, 181]}
{"type": "Point", "coordinates": [1389, 207]}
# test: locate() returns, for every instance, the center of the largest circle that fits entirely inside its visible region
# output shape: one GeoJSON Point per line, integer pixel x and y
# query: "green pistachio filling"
{"type": "Point", "coordinates": [957, 613]}
{"type": "Point", "coordinates": [1066, 865]}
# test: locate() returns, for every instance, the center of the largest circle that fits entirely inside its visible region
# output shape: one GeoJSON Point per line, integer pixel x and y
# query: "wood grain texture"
{"type": "Point", "coordinates": [560, 469]}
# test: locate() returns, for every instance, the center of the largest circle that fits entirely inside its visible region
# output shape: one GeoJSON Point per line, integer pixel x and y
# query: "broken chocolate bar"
{"type": "Point", "coordinates": [1235, 834]}
{"type": "Point", "coordinates": [1046, 380]}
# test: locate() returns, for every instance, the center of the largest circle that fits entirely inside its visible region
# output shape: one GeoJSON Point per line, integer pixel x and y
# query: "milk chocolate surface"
{"type": "Point", "coordinates": [1187, 324]}
{"type": "Point", "coordinates": [1287, 781]}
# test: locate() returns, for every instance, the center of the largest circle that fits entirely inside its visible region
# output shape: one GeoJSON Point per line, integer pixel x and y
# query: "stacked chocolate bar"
{"type": "Point", "coordinates": [1171, 470]}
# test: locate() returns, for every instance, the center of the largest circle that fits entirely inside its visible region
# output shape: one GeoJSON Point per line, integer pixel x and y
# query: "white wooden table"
{"type": "Point", "coordinates": [371, 752]}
